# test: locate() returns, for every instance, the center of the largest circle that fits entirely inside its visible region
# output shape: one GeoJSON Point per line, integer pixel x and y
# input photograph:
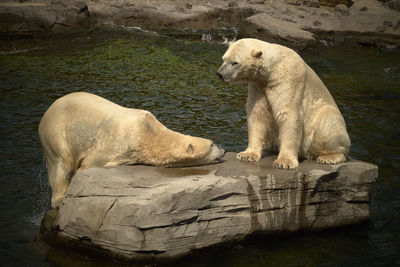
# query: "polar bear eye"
{"type": "Point", "coordinates": [190, 147]}
{"type": "Point", "coordinates": [234, 63]}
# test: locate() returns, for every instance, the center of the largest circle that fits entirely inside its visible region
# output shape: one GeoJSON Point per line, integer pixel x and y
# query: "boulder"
{"type": "Point", "coordinates": [143, 213]}
{"type": "Point", "coordinates": [21, 18]}
{"type": "Point", "coordinates": [268, 28]}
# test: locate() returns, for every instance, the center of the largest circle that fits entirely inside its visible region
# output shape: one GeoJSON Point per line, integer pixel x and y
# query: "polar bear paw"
{"type": "Point", "coordinates": [334, 158]}
{"type": "Point", "coordinates": [286, 163]}
{"type": "Point", "coordinates": [248, 156]}
{"type": "Point", "coordinates": [56, 201]}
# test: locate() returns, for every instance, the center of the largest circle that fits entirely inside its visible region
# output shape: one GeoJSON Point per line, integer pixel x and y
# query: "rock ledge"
{"type": "Point", "coordinates": [136, 213]}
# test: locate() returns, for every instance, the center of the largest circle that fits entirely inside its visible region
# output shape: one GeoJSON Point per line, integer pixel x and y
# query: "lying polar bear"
{"type": "Point", "coordinates": [82, 130]}
{"type": "Point", "coordinates": [288, 107]}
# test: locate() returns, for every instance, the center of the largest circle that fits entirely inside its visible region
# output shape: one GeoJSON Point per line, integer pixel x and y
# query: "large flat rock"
{"type": "Point", "coordinates": [153, 213]}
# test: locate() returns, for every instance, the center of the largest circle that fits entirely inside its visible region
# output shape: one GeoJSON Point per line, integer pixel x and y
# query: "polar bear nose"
{"type": "Point", "coordinates": [219, 75]}
{"type": "Point", "coordinates": [221, 151]}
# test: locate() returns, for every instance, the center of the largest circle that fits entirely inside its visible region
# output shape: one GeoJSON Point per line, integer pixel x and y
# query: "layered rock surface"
{"type": "Point", "coordinates": [149, 213]}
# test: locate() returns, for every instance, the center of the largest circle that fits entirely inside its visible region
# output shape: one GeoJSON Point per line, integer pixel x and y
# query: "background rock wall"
{"type": "Point", "coordinates": [289, 22]}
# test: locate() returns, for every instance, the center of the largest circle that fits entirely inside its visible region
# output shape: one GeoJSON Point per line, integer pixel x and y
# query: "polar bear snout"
{"type": "Point", "coordinates": [217, 151]}
{"type": "Point", "coordinates": [219, 75]}
{"type": "Point", "coordinates": [221, 72]}
{"type": "Point", "coordinates": [229, 72]}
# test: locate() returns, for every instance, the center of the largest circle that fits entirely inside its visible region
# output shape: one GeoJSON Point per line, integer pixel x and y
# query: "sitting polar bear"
{"type": "Point", "coordinates": [288, 107]}
{"type": "Point", "coordinates": [81, 130]}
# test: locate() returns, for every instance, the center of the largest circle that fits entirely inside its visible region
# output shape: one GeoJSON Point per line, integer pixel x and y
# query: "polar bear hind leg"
{"type": "Point", "coordinates": [333, 158]}
{"type": "Point", "coordinates": [59, 176]}
{"type": "Point", "coordinates": [331, 142]}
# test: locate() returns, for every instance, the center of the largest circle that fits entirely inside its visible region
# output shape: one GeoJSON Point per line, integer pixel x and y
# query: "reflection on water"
{"type": "Point", "coordinates": [176, 81]}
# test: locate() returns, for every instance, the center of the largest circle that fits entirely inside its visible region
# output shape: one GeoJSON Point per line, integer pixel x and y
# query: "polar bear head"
{"type": "Point", "coordinates": [161, 146]}
{"type": "Point", "coordinates": [193, 151]}
{"type": "Point", "coordinates": [242, 61]}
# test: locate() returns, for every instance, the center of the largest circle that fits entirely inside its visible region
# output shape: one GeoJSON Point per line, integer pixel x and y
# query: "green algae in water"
{"type": "Point", "coordinates": [177, 83]}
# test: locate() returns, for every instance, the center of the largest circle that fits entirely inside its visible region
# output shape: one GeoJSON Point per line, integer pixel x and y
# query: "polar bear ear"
{"type": "Point", "coordinates": [256, 53]}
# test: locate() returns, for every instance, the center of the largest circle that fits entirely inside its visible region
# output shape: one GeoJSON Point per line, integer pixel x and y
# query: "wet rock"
{"type": "Point", "coordinates": [147, 213]}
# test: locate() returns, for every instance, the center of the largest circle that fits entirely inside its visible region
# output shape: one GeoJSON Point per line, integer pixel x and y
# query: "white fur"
{"type": "Point", "coordinates": [288, 107]}
{"type": "Point", "coordinates": [82, 130]}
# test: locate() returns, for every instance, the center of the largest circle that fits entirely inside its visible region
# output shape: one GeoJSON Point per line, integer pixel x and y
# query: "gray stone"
{"type": "Point", "coordinates": [381, 28]}
{"type": "Point", "coordinates": [269, 28]}
{"type": "Point", "coordinates": [387, 23]}
{"type": "Point", "coordinates": [293, 2]}
{"type": "Point", "coordinates": [397, 26]}
{"type": "Point", "coordinates": [343, 9]}
{"type": "Point", "coordinates": [188, 5]}
{"type": "Point", "coordinates": [333, 3]}
{"type": "Point", "coordinates": [395, 4]}
{"type": "Point", "coordinates": [312, 3]}
{"type": "Point", "coordinates": [149, 213]}
{"type": "Point", "coordinates": [233, 4]}
{"type": "Point", "coordinates": [308, 3]}
{"type": "Point", "coordinates": [36, 17]}
{"type": "Point", "coordinates": [317, 23]}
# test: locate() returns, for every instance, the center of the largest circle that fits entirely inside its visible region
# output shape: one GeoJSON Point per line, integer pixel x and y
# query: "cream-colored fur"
{"type": "Point", "coordinates": [82, 130]}
{"type": "Point", "coordinates": [288, 107]}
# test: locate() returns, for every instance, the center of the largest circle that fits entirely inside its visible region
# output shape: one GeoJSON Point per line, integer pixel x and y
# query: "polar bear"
{"type": "Point", "coordinates": [288, 107]}
{"type": "Point", "coordinates": [82, 130]}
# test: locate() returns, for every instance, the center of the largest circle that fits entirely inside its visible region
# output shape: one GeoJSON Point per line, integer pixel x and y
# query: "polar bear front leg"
{"type": "Point", "coordinates": [255, 146]}
{"type": "Point", "coordinates": [289, 142]}
{"type": "Point", "coordinates": [258, 124]}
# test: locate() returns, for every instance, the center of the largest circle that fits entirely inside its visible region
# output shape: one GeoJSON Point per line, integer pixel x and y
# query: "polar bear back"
{"type": "Point", "coordinates": [80, 122]}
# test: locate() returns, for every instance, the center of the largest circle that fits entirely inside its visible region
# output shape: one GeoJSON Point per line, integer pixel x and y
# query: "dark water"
{"type": "Point", "coordinates": [175, 80]}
